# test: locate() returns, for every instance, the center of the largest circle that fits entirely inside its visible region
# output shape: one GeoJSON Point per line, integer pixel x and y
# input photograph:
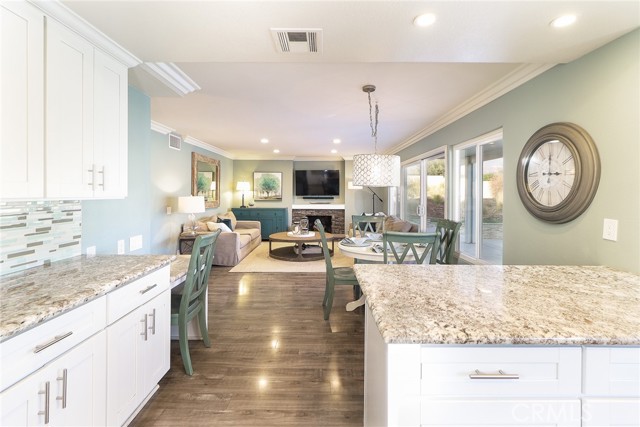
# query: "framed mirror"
{"type": "Point", "coordinates": [205, 179]}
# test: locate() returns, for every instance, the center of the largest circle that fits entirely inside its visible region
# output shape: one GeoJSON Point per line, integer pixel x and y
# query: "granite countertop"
{"type": "Point", "coordinates": [471, 304]}
{"type": "Point", "coordinates": [32, 296]}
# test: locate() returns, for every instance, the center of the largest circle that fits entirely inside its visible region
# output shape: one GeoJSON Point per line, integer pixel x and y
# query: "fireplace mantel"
{"type": "Point", "coordinates": [318, 206]}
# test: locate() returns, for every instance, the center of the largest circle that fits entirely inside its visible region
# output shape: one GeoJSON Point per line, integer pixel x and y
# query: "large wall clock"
{"type": "Point", "coordinates": [558, 172]}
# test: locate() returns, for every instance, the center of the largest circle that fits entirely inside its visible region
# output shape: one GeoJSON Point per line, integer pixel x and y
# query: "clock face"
{"type": "Point", "coordinates": [550, 173]}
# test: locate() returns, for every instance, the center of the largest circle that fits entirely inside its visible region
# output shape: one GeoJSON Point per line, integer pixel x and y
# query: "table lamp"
{"type": "Point", "coordinates": [243, 186]}
{"type": "Point", "coordinates": [191, 205]}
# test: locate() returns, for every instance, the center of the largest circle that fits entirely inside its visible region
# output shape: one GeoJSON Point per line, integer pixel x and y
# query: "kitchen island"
{"type": "Point", "coordinates": [501, 345]}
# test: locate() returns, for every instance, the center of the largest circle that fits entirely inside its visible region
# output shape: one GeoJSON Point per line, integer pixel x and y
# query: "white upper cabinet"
{"type": "Point", "coordinates": [86, 132]}
{"type": "Point", "coordinates": [64, 111]}
{"type": "Point", "coordinates": [21, 101]}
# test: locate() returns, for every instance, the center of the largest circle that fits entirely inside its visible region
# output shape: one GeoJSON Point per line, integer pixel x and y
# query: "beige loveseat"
{"type": "Point", "coordinates": [232, 246]}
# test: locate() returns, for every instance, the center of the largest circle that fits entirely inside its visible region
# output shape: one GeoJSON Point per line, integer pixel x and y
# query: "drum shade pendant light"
{"type": "Point", "coordinates": [375, 170]}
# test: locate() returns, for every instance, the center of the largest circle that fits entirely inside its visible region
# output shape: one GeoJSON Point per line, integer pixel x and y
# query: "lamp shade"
{"type": "Point", "coordinates": [376, 170]}
{"type": "Point", "coordinates": [191, 204]}
{"type": "Point", "coordinates": [243, 186]}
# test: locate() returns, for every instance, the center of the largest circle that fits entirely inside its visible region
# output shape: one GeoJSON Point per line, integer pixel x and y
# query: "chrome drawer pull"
{"type": "Point", "coordinates": [499, 376]}
{"type": "Point", "coordinates": [144, 291]}
{"type": "Point", "coordinates": [41, 347]}
{"type": "Point", "coordinates": [63, 378]}
{"type": "Point", "coordinates": [46, 403]}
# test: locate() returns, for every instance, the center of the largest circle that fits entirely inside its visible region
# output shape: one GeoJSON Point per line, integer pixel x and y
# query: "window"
{"type": "Point", "coordinates": [477, 197]}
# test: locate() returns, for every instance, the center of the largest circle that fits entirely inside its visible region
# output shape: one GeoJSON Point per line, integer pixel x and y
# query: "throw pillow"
{"type": "Point", "coordinates": [231, 216]}
{"type": "Point", "coordinates": [213, 226]}
{"type": "Point", "coordinates": [226, 222]}
{"type": "Point", "coordinates": [393, 223]}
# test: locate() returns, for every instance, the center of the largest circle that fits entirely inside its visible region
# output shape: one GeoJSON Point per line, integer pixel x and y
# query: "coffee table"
{"type": "Point", "coordinates": [299, 251]}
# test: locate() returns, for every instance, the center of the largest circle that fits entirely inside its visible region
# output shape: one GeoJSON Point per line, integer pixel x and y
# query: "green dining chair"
{"type": "Point", "coordinates": [190, 303]}
{"type": "Point", "coordinates": [335, 276]}
{"type": "Point", "coordinates": [362, 224]}
{"type": "Point", "coordinates": [422, 246]}
{"type": "Point", "coordinates": [447, 232]}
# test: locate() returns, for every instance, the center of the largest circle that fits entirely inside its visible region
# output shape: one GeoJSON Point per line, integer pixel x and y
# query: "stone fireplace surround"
{"type": "Point", "coordinates": [336, 212]}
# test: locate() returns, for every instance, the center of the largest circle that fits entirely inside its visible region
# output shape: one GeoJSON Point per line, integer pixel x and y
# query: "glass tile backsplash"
{"type": "Point", "coordinates": [37, 233]}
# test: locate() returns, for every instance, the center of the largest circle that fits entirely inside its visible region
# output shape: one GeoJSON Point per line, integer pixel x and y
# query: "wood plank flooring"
{"type": "Point", "coordinates": [274, 361]}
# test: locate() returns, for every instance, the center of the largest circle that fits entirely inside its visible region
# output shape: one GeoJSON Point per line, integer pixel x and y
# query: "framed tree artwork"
{"type": "Point", "coordinates": [267, 186]}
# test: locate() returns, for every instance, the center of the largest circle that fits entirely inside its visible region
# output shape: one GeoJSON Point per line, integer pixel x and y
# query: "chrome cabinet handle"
{"type": "Point", "coordinates": [55, 339]}
{"type": "Point", "coordinates": [144, 291]}
{"type": "Point", "coordinates": [102, 172]}
{"type": "Point", "coordinates": [499, 376]}
{"type": "Point", "coordinates": [153, 325]}
{"type": "Point", "coordinates": [144, 333]}
{"type": "Point", "coordinates": [92, 184]}
{"type": "Point", "coordinates": [63, 378]}
{"type": "Point", "coordinates": [46, 402]}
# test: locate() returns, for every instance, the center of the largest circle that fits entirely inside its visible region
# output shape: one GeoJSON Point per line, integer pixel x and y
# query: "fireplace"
{"type": "Point", "coordinates": [332, 218]}
{"type": "Point", "coordinates": [324, 219]}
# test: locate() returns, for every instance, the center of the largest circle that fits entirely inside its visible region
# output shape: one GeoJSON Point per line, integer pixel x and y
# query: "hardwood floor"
{"type": "Point", "coordinates": [273, 361]}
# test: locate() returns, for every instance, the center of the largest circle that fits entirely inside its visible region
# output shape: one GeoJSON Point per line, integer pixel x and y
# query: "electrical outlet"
{"type": "Point", "coordinates": [610, 229]}
{"type": "Point", "coordinates": [91, 251]}
{"type": "Point", "coordinates": [135, 243]}
{"type": "Point", "coordinates": [120, 247]}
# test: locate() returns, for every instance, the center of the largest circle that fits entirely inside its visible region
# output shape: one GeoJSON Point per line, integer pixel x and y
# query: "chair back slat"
{"type": "Point", "coordinates": [422, 246]}
{"type": "Point", "coordinates": [325, 247]}
{"type": "Point", "coordinates": [447, 232]}
{"type": "Point", "coordinates": [198, 272]}
{"type": "Point", "coordinates": [362, 224]}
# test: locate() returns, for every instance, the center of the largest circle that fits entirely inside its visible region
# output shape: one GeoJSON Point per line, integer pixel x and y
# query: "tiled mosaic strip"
{"type": "Point", "coordinates": [38, 233]}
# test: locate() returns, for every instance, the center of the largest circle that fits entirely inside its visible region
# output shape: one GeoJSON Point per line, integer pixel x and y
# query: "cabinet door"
{"type": "Point", "coordinates": [124, 382]}
{"type": "Point", "coordinates": [610, 412]}
{"type": "Point", "coordinates": [21, 101]}
{"type": "Point", "coordinates": [80, 377]}
{"type": "Point", "coordinates": [156, 348]}
{"type": "Point", "coordinates": [76, 383]}
{"type": "Point", "coordinates": [69, 110]}
{"type": "Point", "coordinates": [110, 126]}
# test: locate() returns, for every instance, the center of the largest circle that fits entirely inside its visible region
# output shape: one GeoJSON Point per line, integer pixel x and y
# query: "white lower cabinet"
{"type": "Point", "coordinates": [69, 391]}
{"type": "Point", "coordinates": [490, 385]}
{"type": "Point", "coordinates": [138, 347]}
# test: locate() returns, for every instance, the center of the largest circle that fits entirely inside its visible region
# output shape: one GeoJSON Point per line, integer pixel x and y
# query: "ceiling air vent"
{"type": "Point", "coordinates": [297, 40]}
{"type": "Point", "coordinates": [175, 141]}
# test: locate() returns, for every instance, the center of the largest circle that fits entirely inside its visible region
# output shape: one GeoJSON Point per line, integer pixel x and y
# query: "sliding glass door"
{"type": "Point", "coordinates": [478, 197]}
{"type": "Point", "coordinates": [423, 190]}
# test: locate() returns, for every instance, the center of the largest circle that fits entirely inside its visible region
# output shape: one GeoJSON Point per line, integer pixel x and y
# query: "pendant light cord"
{"type": "Point", "coordinates": [373, 123]}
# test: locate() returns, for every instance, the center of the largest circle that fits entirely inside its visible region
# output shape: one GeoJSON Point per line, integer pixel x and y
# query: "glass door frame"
{"type": "Point", "coordinates": [422, 160]}
{"type": "Point", "coordinates": [478, 142]}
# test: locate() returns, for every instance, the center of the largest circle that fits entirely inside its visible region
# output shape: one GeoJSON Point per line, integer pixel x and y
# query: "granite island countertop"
{"type": "Point", "coordinates": [473, 304]}
{"type": "Point", "coordinates": [33, 296]}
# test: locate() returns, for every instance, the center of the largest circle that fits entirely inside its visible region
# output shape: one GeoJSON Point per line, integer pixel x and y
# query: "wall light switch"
{"type": "Point", "coordinates": [135, 243]}
{"type": "Point", "coordinates": [91, 251]}
{"type": "Point", "coordinates": [120, 247]}
{"type": "Point", "coordinates": [610, 229]}
{"type": "Point", "coordinates": [168, 210]}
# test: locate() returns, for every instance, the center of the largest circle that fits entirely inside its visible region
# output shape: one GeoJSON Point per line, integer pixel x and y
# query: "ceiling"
{"type": "Point", "coordinates": [425, 77]}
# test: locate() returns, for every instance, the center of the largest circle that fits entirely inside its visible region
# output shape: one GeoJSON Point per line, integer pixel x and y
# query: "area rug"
{"type": "Point", "coordinates": [259, 261]}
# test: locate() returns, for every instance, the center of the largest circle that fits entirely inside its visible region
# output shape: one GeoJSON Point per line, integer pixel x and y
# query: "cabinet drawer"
{"type": "Point", "coordinates": [133, 295]}
{"type": "Point", "coordinates": [508, 412]}
{"type": "Point", "coordinates": [29, 351]}
{"type": "Point", "coordinates": [540, 371]}
{"type": "Point", "coordinates": [612, 371]}
{"type": "Point", "coordinates": [610, 412]}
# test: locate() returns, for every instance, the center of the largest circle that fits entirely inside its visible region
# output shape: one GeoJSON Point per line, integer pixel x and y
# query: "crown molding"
{"type": "Point", "coordinates": [56, 10]}
{"type": "Point", "coordinates": [171, 76]}
{"type": "Point", "coordinates": [511, 81]}
{"type": "Point", "coordinates": [160, 128]}
{"type": "Point", "coordinates": [193, 141]}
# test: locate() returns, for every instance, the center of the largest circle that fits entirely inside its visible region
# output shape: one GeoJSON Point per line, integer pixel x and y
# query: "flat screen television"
{"type": "Point", "coordinates": [315, 183]}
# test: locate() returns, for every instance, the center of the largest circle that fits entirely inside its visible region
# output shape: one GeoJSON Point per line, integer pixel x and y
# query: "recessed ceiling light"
{"type": "Point", "coordinates": [563, 21]}
{"type": "Point", "coordinates": [276, 151]}
{"type": "Point", "coordinates": [334, 151]}
{"type": "Point", "coordinates": [337, 141]}
{"type": "Point", "coordinates": [264, 140]}
{"type": "Point", "coordinates": [424, 20]}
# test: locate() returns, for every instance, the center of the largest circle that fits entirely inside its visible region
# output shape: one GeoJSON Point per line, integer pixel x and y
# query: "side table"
{"type": "Point", "coordinates": [185, 243]}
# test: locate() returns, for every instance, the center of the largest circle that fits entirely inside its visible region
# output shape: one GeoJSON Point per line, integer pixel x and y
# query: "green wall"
{"type": "Point", "coordinates": [601, 93]}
